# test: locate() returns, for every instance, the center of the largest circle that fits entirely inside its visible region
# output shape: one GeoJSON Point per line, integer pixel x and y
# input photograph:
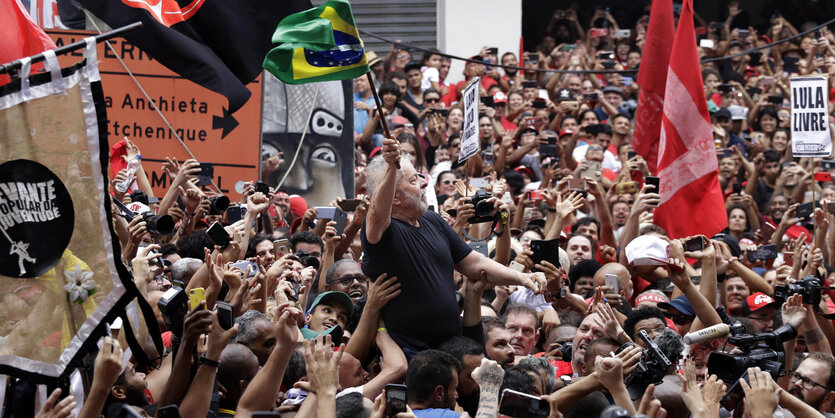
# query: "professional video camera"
{"type": "Point", "coordinates": [809, 286]}
{"type": "Point", "coordinates": [763, 350]}
{"type": "Point", "coordinates": [156, 224]}
{"type": "Point", "coordinates": [482, 208]}
{"type": "Point", "coordinates": [651, 368]}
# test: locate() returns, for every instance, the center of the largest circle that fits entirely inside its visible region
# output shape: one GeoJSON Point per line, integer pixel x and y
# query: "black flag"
{"type": "Point", "coordinates": [218, 44]}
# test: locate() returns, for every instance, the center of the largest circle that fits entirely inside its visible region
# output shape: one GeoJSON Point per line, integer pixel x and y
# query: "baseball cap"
{"type": "Point", "coordinates": [524, 169]}
{"type": "Point", "coordinates": [647, 250]}
{"type": "Point", "coordinates": [333, 296]}
{"type": "Point", "coordinates": [335, 332]}
{"type": "Point", "coordinates": [499, 97]}
{"type": "Point", "coordinates": [730, 240]}
{"type": "Point", "coordinates": [565, 132]}
{"type": "Point", "coordinates": [757, 301]}
{"type": "Point", "coordinates": [398, 121]}
{"type": "Point", "coordinates": [564, 94]}
{"type": "Point", "coordinates": [737, 112]}
{"type": "Point", "coordinates": [612, 89]}
{"type": "Point", "coordinates": [681, 303]}
{"type": "Point", "coordinates": [722, 113]}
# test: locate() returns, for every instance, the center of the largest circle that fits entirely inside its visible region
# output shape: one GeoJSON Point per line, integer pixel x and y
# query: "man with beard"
{"type": "Point", "coordinates": [469, 353]}
{"type": "Point", "coordinates": [621, 124]}
{"type": "Point", "coordinates": [497, 342]}
{"type": "Point", "coordinates": [432, 383]}
{"type": "Point", "coordinates": [511, 76]}
{"type": "Point", "coordinates": [812, 382]}
{"type": "Point", "coordinates": [346, 276]}
{"type": "Point", "coordinates": [401, 238]}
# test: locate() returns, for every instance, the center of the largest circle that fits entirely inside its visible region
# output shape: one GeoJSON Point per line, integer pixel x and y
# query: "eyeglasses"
{"type": "Point", "coordinates": [679, 319]}
{"type": "Point", "coordinates": [447, 182]}
{"type": "Point", "coordinates": [432, 100]}
{"type": "Point", "coordinates": [595, 148]}
{"type": "Point", "coordinates": [403, 57]}
{"type": "Point", "coordinates": [807, 383]}
{"type": "Point", "coordinates": [347, 280]}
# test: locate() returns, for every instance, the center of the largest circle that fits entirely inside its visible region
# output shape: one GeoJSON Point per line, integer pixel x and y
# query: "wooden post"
{"type": "Point", "coordinates": [379, 107]}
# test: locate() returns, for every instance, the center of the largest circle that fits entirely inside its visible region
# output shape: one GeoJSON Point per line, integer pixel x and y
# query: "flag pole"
{"type": "Point", "coordinates": [379, 107]}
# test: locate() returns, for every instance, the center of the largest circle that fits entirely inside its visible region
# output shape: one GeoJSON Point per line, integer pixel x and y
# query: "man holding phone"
{"type": "Point", "coordinates": [402, 238]}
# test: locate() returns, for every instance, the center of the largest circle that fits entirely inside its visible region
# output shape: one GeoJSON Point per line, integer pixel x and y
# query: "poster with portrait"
{"type": "Point", "coordinates": [61, 278]}
{"type": "Point", "coordinates": [324, 168]}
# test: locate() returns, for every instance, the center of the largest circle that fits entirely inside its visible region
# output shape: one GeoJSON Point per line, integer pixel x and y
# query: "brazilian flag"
{"type": "Point", "coordinates": [320, 44]}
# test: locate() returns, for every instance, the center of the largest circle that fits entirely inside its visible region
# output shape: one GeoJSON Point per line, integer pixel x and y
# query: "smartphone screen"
{"type": "Point", "coordinates": [545, 251]}
{"type": "Point", "coordinates": [341, 218]}
{"type": "Point", "coordinates": [653, 181]}
{"type": "Point", "coordinates": [218, 234]}
{"type": "Point", "coordinates": [395, 399]}
{"type": "Point", "coordinates": [518, 404]}
{"type": "Point", "coordinates": [225, 318]}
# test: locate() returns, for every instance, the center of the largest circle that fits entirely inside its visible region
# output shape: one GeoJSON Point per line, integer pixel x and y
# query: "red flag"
{"type": "Point", "coordinates": [691, 198]}
{"type": "Point", "coordinates": [656, 58]}
{"type": "Point", "coordinates": [21, 36]}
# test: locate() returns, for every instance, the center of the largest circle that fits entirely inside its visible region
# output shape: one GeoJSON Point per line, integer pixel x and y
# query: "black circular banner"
{"type": "Point", "coordinates": [36, 219]}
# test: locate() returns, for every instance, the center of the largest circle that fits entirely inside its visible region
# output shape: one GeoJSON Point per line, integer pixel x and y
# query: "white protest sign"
{"type": "Point", "coordinates": [469, 131]}
{"type": "Point", "coordinates": [810, 117]}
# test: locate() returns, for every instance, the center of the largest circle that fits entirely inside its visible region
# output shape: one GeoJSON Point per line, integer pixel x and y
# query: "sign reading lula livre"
{"type": "Point", "coordinates": [810, 117]}
{"type": "Point", "coordinates": [469, 130]}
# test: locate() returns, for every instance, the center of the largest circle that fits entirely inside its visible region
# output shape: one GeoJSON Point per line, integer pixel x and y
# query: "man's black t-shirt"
{"type": "Point", "coordinates": [423, 259]}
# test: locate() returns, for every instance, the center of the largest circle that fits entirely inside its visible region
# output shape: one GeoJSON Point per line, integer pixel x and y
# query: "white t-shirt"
{"type": "Point", "coordinates": [610, 162]}
{"type": "Point", "coordinates": [430, 74]}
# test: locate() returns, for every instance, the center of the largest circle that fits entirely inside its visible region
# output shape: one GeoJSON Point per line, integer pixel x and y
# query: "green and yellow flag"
{"type": "Point", "coordinates": [320, 44]}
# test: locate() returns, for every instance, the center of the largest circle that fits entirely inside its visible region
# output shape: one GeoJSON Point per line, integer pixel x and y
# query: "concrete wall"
{"type": "Point", "coordinates": [464, 26]}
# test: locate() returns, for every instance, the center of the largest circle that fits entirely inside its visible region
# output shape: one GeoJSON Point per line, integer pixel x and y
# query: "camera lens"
{"type": "Point", "coordinates": [160, 224]}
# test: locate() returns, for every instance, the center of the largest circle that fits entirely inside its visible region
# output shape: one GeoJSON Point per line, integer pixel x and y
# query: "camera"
{"type": "Point", "coordinates": [763, 350]}
{"type": "Point", "coordinates": [650, 369]}
{"type": "Point", "coordinates": [261, 187]}
{"type": "Point", "coordinates": [158, 224]}
{"type": "Point", "coordinates": [809, 287]}
{"type": "Point", "coordinates": [173, 304]}
{"type": "Point", "coordinates": [566, 350]}
{"type": "Point", "coordinates": [218, 205]}
{"type": "Point", "coordinates": [307, 260]}
{"type": "Point", "coordinates": [482, 206]}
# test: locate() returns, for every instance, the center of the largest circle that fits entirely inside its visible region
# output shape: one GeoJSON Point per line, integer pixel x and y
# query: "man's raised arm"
{"type": "Point", "coordinates": [379, 215]}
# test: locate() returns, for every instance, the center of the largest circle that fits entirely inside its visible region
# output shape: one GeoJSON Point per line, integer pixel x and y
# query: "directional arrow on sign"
{"type": "Point", "coordinates": [226, 122]}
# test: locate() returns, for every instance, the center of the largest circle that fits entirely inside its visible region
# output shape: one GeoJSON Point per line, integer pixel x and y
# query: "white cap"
{"type": "Point", "coordinates": [648, 250]}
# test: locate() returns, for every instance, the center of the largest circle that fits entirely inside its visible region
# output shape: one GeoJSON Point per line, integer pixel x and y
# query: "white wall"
{"type": "Point", "coordinates": [464, 26]}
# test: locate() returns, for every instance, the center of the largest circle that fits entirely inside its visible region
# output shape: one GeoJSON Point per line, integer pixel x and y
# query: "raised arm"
{"type": "Point", "coordinates": [379, 215]}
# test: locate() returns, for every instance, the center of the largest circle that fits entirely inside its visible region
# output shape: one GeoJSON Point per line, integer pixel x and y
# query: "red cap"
{"type": "Point", "coordinates": [499, 97]}
{"type": "Point", "coordinates": [374, 152]}
{"type": "Point", "coordinates": [525, 169]}
{"type": "Point", "coordinates": [565, 132]}
{"type": "Point", "coordinates": [298, 206]}
{"type": "Point", "coordinates": [758, 301]}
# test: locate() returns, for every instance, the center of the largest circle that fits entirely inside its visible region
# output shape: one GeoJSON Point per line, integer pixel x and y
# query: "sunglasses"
{"type": "Point", "coordinates": [447, 182]}
{"type": "Point", "coordinates": [679, 319]}
{"type": "Point", "coordinates": [432, 100]}
{"type": "Point", "coordinates": [455, 144]}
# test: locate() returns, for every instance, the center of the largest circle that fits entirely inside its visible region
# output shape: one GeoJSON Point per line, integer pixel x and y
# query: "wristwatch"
{"type": "Point", "coordinates": [566, 379]}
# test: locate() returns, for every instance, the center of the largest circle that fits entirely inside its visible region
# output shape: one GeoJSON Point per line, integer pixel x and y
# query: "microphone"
{"type": "Point", "coordinates": [707, 334]}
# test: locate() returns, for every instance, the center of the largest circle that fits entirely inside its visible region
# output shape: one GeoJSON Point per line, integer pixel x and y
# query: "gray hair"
{"type": "Point", "coordinates": [246, 326]}
{"type": "Point", "coordinates": [376, 169]}
{"type": "Point", "coordinates": [540, 366]}
{"type": "Point", "coordinates": [179, 269]}
{"type": "Point", "coordinates": [332, 269]}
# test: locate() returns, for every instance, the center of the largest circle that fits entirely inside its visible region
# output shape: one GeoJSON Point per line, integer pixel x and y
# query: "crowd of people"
{"type": "Point", "coordinates": [530, 277]}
